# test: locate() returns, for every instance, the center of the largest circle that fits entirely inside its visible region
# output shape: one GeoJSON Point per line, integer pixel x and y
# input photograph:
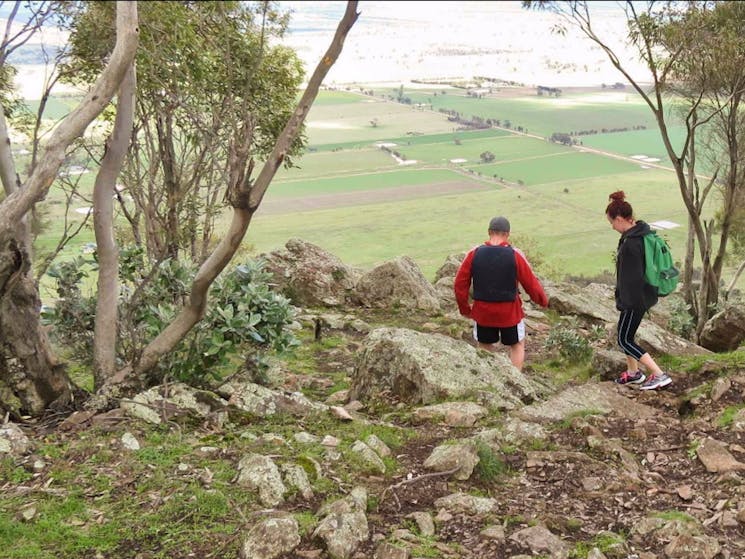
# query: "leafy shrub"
{"type": "Point", "coordinates": [244, 320]}
{"type": "Point", "coordinates": [681, 320]}
{"type": "Point", "coordinates": [570, 344]}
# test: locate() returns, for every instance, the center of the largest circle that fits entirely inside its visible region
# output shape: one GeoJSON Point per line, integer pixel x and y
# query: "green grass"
{"type": "Point", "coordinates": [327, 163]}
{"type": "Point", "coordinates": [359, 182]}
{"type": "Point", "coordinates": [637, 142]}
{"type": "Point", "coordinates": [504, 148]}
{"type": "Point", "coordinates": [568, 229]}
{"type": "Point", "coordinates": [561, 166]}
{"type": "Point", "coordinates": [421, 139]}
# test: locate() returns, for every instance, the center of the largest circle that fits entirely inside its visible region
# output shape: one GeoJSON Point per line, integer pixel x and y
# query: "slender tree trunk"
{"type": "Point", "coordinates": [170, 180]}
{"type": "Point", "coordinates": [105, 330]}
{"type": "Point", "coordinates": [27, 366]}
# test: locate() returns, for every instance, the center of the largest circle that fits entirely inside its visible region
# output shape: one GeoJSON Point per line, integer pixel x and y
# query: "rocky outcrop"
{"type": "Point", "coordinates": [271, 538]}
{"type": "Point", "coordinates": [344, 524]}
{"type": "Point", "coordinates": [596, 303]}
{"type": "Point", "coordinates": [423, 368]}
{"type": "Point", "coordinates": [724, 331]}
{"type": "Point", "coordinates": [164, 402]}
{"type": "Point", "coordinates": [397, 283]}
{"type": "Point", "coordinates": [310, 276]}
{"type": "Point", "coordinates": [262, 401]}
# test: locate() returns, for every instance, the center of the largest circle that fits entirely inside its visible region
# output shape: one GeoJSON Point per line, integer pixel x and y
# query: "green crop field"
{"type": "Point", "coordinates": [544, 115]}
{"type": "Point", "coordinates": [326, 163]}
{"type": "Point", "coordinates": [504, 148]}
{"type": "Point", "coordinates": [359, 182]}
{"type": "Point", "coordinates": [347, 122]}
{"type": "Point", "coordinates": [534, 170]}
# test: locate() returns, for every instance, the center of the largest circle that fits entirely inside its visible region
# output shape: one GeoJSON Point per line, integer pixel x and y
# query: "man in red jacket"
{"type": "Point", "coordinates": [495, 269]}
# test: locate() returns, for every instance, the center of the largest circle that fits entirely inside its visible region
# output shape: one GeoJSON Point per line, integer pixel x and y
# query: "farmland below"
{"type": "Point", "coordinates": [392, 170]}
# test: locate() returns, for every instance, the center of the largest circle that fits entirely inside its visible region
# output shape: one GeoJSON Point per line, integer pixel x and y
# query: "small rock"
{"type": "Point", "coordinates": [716, 458]}
{"type": "Point", "coordinates": [494, 532]}
{"type": "Point", "coordinates": [331, 441]}
{"type": "Point", "coordinates": [424, 522]}
{"type": "Point", "coordinates": [685, 492]}
{"type": "Point", "coordinates": [130, 442]}
{"type": "Point", "coordinates": [304, 437]}
{"type": "Point", "coordinates": [354, 405]}
{"type": "Point", "coordinates": [374, 442]}
{"type": "Point", "coordinates": [592, 483]}
{"type": "Point", "coordinates": [389, 551]}
{"type": "Point", "coordinates": [27, 513]}
{"type": "Point", "coordinates": [720, 388]}
{"type": "Point", "coordinates": [338, 397]}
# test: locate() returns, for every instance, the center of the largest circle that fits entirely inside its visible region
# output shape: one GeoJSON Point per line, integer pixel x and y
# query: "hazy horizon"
{"type": "Point", "coordinates": [410, 40]}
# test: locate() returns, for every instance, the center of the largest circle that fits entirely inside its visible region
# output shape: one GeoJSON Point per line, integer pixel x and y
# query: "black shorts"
{"type": "Point", "coordinates": [491, 334]}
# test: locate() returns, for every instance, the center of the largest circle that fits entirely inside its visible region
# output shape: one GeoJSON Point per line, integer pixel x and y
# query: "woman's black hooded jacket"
{"type": "Point", "coordinates": [632, 292]}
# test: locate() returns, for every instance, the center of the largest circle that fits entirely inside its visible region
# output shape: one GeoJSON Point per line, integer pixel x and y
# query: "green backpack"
{"type": "Point", "coordinates": [659, 269]}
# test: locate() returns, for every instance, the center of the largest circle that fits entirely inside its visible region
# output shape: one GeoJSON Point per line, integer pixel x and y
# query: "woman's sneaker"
{"type": "Point", "coordinates": [656, 381]}
{"type": "Point", "coordinates": [631, 378]}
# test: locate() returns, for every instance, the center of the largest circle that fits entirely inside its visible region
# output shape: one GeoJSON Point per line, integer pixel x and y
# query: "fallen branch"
{"type": "Point", "coordinates": [414, 480]}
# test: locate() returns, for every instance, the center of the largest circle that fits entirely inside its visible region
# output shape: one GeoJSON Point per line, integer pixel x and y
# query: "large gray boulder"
{"type": "Point", "coordinates": [724, 331]}
{"type": "Point", "coordinates": [593, 301]}
{"type": "Point", "coordinates": [310, 276]}
{"type": "Point", "coordinates": [397, 283]}
{"type": "Point", "coordinates": [422, 368]}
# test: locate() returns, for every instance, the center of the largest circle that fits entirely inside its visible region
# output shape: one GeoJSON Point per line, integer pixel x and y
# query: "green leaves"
{"type": "Point", "coordinates": [244, 320]}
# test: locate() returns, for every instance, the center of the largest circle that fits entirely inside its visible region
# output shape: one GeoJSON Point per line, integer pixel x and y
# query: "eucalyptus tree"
{"type": "Point", "coordinates": [30, 375]}
{"type": "Point", "coordinates": [205, 71]}
{"type": "Point", "coordinates": [695, 55]}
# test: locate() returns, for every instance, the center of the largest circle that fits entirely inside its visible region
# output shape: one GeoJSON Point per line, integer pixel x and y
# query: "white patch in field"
{"type": "Point", "coordinates": [329, 125]}
{"type": "Point", "coordinates": [663, 224]}
{"type": "Point", "coordinates": [458, 160]}
{"type": "Point", "coordinates": [646, 158]}
{"type": "Point", "coordinates": [84, 211]}
{"type": "Point", "coordinates": [408, 162]}
{"type": "Point", "coordinates": [644, 166]}
{"type": "Point", "coordinates": [385, 145]}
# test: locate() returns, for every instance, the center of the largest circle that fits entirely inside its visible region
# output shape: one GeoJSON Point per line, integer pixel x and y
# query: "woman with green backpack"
{"type": "Point", "coordinates": [634, 295]}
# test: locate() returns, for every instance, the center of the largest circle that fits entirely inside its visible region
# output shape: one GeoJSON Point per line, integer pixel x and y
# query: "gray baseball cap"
{"type": "Point", "coordinates": [499, 224]}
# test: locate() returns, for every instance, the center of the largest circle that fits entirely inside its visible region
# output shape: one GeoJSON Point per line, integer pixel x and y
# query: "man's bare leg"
{"type": "Point", "coordinates": [517, 354]}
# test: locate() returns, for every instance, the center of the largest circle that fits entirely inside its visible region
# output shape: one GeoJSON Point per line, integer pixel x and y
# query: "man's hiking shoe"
{"type": "Point", "coordinates": [631, 378]}
{"type": "Point", "coordinates": [656, 381]}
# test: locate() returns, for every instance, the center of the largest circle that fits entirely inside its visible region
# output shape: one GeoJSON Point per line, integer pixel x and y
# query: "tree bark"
{"type": "Point", "coordinates": [105, 330]}
{"type": "Point", "coordinates": [27, 366]}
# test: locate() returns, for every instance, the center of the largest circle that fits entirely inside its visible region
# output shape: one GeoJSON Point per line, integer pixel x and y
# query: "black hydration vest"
{"type": "Point", "coordinates": [494, 273]}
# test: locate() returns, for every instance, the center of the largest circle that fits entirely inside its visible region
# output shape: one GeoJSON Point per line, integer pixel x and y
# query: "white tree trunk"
{"type": "Point", "coordinates": [105, 330]}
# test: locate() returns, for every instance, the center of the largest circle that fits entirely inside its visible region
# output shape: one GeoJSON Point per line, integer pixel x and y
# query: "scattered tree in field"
{"type": "Point", "coordinates": [487, 157]}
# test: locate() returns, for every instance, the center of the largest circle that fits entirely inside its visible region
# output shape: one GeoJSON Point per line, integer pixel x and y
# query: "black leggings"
{"type": "Point", "coordinates": [628, 324]}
